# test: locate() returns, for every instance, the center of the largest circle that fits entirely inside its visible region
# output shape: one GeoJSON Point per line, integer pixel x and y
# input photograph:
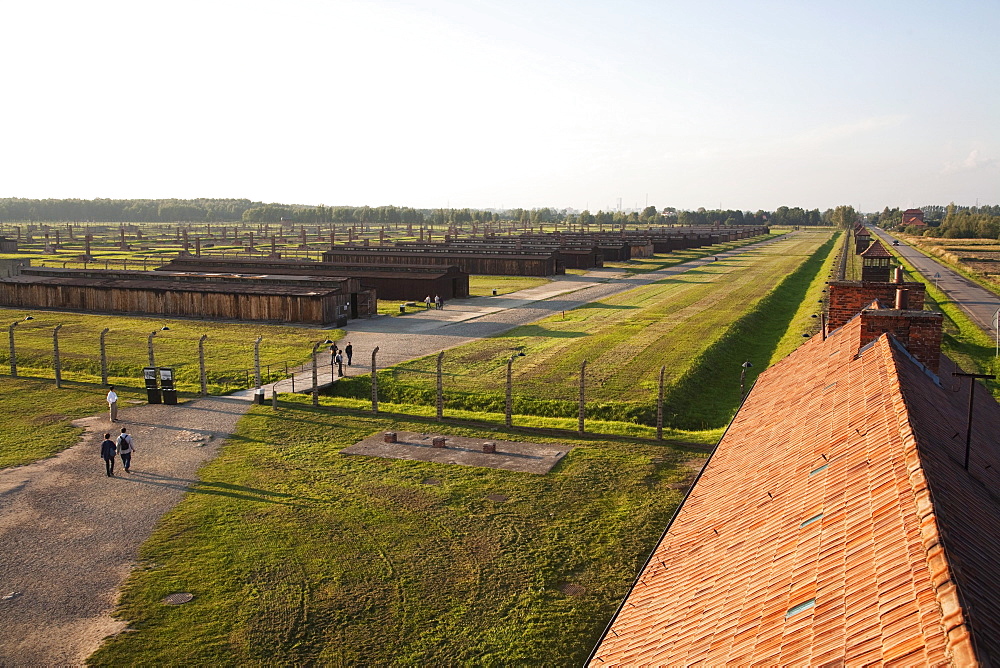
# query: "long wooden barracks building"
{"type": "Point", "coordinates": [397, 282]}
{"type": "Point", "coordinates": [318, 300]}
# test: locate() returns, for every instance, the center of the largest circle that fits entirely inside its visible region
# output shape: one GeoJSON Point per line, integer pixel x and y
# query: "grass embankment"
{"type": "Point", "coordinates": [679, 322]}
{"type": "Point", "coordinates": [299, 555]}
{"type": "Point", "coordinates": [228, 349]}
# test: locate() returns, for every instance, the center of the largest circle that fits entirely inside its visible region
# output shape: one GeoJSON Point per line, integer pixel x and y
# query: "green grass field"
{"type": "Point", "coordinates": [228, 349]}
{"type": "Point", "coordinates": [680, 323]}
{"type": "Point", "coordinates": [35, 417]}
{"type": "Point", "coordinates": [299, 555]}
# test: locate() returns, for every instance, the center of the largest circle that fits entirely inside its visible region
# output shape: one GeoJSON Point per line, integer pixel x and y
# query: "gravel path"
{"type": "Point", "coordinates": [69, 535]}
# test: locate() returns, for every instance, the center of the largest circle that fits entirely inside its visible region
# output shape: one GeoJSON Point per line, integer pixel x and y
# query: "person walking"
{"type": "Point", "coordinates": [126, 446]}
{"type": "Point", "coordinates": [340, 364]}
{"type": "Point", "coordinates": [349, 350]}
{"type": "Point", "coordinates": [437, 301]}
{"type": "Point", "coordinates": [427, 302]}
{"type": "Point", "coordinates": [113, 403]}
{"type": "Point", "coordinates": [440, 303]}
{"type": "Point", "coordinates": [108, 454]}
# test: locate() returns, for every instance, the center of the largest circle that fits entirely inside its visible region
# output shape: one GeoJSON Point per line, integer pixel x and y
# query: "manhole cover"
{"type": "Point", "coordinates": [499, 498]}
{"type": "Point", "coordinates": [177, 599]}
{"type": "Point", "coordinates": [572, 589]}
{"type": "Point", "coordinates": [432, 481]}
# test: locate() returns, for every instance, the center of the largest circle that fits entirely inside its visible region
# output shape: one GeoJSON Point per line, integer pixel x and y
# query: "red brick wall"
{"type": "Point", "coordinates": [918, 331]}
{"type": "Point", "coordinates": [848, 298]}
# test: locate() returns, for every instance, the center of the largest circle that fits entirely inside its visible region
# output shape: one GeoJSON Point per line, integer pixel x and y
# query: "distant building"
{"type": "Point", "coordinates": [914, 217]}
{"type": "Point", "coordinates": [8, 245]}
{"type": "Point", "coordinates": [838, 522]}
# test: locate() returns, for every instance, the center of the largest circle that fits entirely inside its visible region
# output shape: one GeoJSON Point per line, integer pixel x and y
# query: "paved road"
{"type": "Point", "coordinates": [70, 535]}
{"type": "Point", "coordinates": [977, 302]}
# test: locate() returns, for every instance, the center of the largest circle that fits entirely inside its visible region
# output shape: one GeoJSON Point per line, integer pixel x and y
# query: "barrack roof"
{"type": "Point", "coordinates": [834, 523]}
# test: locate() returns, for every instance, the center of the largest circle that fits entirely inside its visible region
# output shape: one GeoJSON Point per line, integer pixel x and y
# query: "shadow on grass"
{"type": "Point", "coordinates": [708, 394]}
{"type": "Point", "coordinates": [216, 488]}
{"type": "Point", "coordinates": [538, 330]}
{"type": "Point", "coordinates": [607, 306]}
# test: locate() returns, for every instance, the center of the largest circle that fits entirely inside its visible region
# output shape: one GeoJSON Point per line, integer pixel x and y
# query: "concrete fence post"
{"type": "Point", "coordinates": [440, 387]}
{"type": "Point", "coordinates": [374, 383]}
{"type": "Point", "coordinates": [201, 365]}
{"type": "Point", "coordinates": [659, 407]}
{"type": "Point", "coordinates": [55, 355]}
{"type": "Point", "coordinates": [104, 357]}
{"type": "Point", "coordinates": [256, 361]}
{"type": "Point", "coordinates": [583, 381]}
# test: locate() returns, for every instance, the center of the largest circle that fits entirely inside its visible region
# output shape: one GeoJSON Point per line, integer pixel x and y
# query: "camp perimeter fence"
{"type": "Point", "coordinates": [43, 352]}
{"type": "Point", "coordinates": [440, 390]}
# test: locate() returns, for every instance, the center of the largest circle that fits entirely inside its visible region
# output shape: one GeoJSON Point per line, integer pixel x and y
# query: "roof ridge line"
{"type": "Point", "coordinates": [954, 623]}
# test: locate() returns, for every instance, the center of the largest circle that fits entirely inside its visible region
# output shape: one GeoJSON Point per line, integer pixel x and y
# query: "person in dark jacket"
{"type": "Point", "coordinates": [108, 450]}
{"type": "Point", "coordinates": [349, 350]}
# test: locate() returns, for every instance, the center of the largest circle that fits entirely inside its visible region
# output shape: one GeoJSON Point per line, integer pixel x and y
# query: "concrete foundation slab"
{"type": "Point", "coordinates": [463, 451]}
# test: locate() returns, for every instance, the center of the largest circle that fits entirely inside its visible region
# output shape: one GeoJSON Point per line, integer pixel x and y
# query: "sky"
{"type": "Point", "coordinates": [735, 104]}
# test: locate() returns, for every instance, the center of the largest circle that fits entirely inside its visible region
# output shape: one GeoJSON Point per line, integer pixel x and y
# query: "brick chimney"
{"type": "Point", "coordinates": [848, 298]}
{"type": "Point", "coordinates": [918, 331]}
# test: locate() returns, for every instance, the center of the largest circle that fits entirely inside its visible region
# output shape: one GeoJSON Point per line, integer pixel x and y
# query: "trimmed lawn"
{"type": "Point", "coordinates": [296, 554]}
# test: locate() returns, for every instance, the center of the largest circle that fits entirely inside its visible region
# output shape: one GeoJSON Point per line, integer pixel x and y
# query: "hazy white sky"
{"type": "Point", "coordinates": [513, 103]}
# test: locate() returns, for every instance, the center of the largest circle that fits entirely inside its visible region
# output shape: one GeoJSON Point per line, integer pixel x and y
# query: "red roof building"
{"type": "Point", "coordinates": [838, 521]}
{"type": "Point", "coordinates": [914, 217]}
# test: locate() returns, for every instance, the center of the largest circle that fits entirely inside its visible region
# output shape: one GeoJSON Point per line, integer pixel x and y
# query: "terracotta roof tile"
{"type": "Point", "coordinates": [901, 566]}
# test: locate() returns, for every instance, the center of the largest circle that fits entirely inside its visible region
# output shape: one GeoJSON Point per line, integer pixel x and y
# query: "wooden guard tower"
{"type": "Point", "coordinates": [876, 263]}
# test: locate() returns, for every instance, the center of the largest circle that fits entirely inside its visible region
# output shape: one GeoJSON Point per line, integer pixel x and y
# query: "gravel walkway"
{"type": "Point", "coordinates": [69, 535]}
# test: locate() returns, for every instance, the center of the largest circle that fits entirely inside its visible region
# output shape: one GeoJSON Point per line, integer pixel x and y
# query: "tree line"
{"type": "Point", "coordinates": [244, 210]}
{"type": "Point", "coordinates": [948, 222]}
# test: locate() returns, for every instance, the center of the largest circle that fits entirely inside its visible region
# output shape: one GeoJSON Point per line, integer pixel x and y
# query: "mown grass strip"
{"type": "Point", "coordinates": [625, 339]}
{"type": "Point", "coordinates": [299, 555]}
{"type": "Point", "coordinates": [708, 394]}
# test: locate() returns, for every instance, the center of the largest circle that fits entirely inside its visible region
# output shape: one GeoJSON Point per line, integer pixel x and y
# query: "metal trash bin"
{"type": "Point", "coordinates": [258, 396]}
{"type": "Point", "coordinates": [402, 308]}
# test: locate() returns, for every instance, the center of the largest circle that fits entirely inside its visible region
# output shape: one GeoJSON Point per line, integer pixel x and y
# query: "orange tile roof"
{"type": "Point", "coordinates": [833, 523]}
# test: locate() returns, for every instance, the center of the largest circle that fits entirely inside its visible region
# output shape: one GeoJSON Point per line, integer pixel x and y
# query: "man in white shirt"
{"type": "Point", "coordinates": [113, 403]}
